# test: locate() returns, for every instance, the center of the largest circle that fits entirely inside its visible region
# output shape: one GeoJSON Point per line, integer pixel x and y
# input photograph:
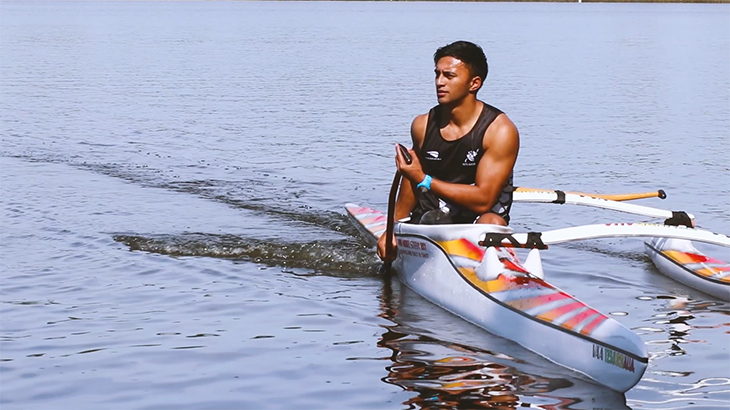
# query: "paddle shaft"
{"type": "Point", "coordinates": [391, 211]}
{"type": "Point", "coordinates": [391, 222]}
{"type": "Point", "coordinates": [613, 197]}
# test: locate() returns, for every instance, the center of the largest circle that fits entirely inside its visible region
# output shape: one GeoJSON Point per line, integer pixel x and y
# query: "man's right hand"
{"type": "Point", "coordinates": [381, 249]}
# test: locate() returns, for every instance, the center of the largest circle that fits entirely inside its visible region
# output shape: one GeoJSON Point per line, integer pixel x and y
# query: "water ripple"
{"type": "Point", "coordinates": [331, 257]}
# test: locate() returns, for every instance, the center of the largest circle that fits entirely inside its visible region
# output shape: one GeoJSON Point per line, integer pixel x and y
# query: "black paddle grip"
{"type": "Point", "coordinates": [406, 155]}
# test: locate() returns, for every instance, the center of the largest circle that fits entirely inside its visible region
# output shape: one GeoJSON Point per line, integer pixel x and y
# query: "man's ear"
{"type": "Point", "coordinates": [476, 84]}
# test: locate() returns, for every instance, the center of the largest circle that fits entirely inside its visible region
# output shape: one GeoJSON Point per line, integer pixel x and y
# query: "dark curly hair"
{"type": "Point", "coordinates": [469, 53]}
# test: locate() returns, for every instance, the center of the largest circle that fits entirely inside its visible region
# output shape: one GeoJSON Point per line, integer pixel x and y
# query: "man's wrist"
{"type": "Point", "coordinates": [426, 183]}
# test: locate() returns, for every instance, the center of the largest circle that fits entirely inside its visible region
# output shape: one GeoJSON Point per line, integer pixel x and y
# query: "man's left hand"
{"type": "Point", "coordinates": [413, 171]}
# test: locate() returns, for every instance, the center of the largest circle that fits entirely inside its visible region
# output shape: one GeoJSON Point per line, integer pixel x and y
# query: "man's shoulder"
{"type": "Point", "coordinates": [421, 119]}
{"type": "Point", "coordinates": [501, 130]}
{"type": "Point", "coordinates": [503, 120]}
{"type": "Point", "coordinates": [418, 127]}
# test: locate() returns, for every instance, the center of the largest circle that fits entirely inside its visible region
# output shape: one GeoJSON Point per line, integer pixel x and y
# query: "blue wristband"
{"type": "Point", "coordinates": [426, 183]}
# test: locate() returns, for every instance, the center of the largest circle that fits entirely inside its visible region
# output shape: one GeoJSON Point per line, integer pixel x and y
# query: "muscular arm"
{"type": "Point", "coordinates": [501, 145]}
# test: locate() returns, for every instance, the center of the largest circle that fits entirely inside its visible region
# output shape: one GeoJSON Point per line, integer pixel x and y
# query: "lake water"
{"type": "Point", "coordinates": [173, 177]}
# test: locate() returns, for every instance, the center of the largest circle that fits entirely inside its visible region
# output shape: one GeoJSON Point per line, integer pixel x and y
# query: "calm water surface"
{"type": "Point", "coordinates": [173, 176]}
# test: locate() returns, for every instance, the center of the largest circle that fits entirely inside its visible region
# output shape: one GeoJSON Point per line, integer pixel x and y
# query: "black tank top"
{"type": "Point", "coordinates": [456, 161]}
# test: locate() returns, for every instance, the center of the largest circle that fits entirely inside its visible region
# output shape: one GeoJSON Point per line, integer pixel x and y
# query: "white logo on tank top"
{"type": "Point", "coordinates": [433, 155]}
{"type": "Point", "coordinates": [471, 156]}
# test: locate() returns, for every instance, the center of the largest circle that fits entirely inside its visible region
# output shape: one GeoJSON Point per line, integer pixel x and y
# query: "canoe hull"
{"type": "Point", "coordinates": [440, 267]}
{"type": "Point", "coordinates": [440, 262]}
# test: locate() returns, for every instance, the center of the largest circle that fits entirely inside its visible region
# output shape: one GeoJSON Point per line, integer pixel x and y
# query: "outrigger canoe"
{"type": "Point", "coordinates": [442, 264]}
{"type": "Point", "coordinates": [472, 271]}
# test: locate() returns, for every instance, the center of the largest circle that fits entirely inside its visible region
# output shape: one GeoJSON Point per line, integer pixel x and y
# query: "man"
{"type": "Point", "coordinates": [463, 152]}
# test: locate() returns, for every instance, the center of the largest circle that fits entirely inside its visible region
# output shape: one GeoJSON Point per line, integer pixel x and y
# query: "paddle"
{"type": "Point", "coordinates": [391, 213]}
{"type": "Point", "coordinates": [389, 224]}
{"type": "Point", "coordinates": [541, 240]}
{"type": "Point", "coordinates": [613, 197]}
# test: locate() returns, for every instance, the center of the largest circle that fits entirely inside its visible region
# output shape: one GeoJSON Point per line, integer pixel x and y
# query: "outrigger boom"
{"type": "Point", "coordinates": [574, 198]}
{"type": "Point", "coordinates": [614, 197]}
{"type": "Point", "coordinates": [541, 240]}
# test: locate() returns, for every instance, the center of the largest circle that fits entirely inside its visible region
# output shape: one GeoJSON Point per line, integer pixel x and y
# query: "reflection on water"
{"type": "Point", "coordinates": [455, 365]}
{"type": "Point", "coordinates": [677, 317]}
{"type": "Point", "coordinates": [447, 375]}
{"type": "Point", "coordinates": [678, 322]}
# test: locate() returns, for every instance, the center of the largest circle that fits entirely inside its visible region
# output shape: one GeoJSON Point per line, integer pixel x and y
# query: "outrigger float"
{"type": "Point", "coordinates": [473, 272]}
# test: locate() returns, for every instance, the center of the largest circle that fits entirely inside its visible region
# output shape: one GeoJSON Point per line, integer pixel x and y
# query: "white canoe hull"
{"type": "Point", "coordinates": [681, 261]}
{"type": "Point", "coordinates": [438, 262]}
{"type": "Point", "coordinates": [608, 352]}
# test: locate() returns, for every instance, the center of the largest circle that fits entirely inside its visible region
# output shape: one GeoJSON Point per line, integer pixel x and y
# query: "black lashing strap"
{"type": "Point", "coordinates": [679, 218]}
{"type": "Point", "coordinates": [561, 197]}
{"type": "Point", "coordinates": [495, 239]}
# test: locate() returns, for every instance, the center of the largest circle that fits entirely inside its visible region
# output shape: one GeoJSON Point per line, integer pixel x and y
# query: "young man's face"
{"type": "Point", "coordinates": [453, 80]}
